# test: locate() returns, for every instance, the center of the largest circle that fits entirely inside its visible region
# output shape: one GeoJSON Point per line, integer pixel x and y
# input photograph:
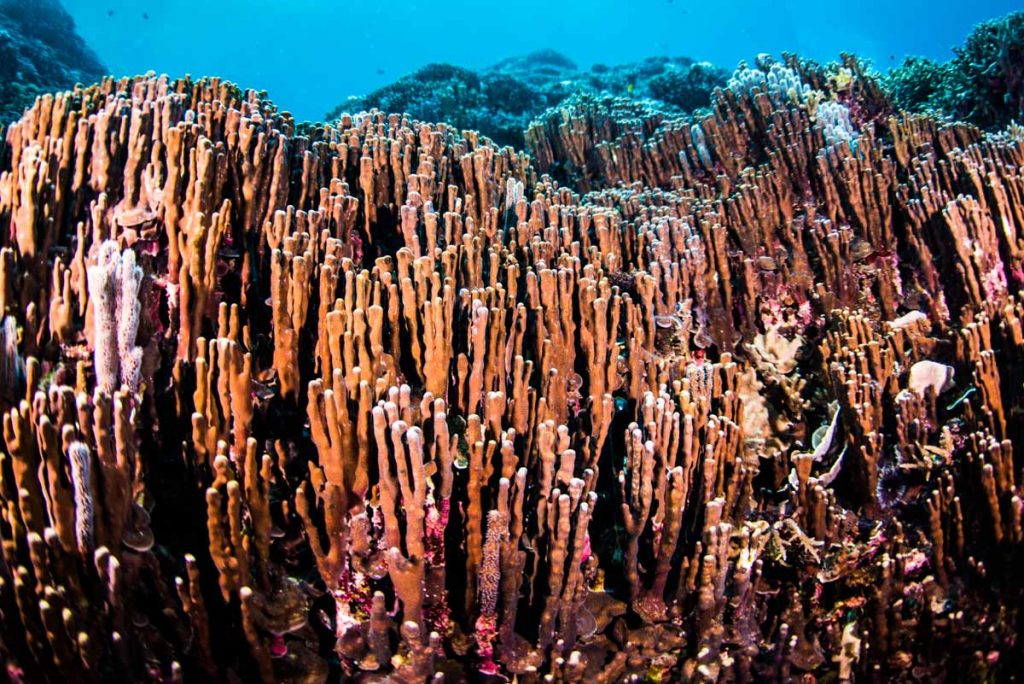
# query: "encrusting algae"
{"type": "Point", "coordinates": [382, 401]}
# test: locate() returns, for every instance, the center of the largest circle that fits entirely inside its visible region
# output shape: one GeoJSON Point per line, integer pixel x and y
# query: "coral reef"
{"type": "Point", "coordinates": [500, 101]}
{"type": "Point", "coordinates": [983, 84]}
{"type": "Point", "coordinates": [39, 53]}
{"type": "Point", "coordinates": [669, 399]}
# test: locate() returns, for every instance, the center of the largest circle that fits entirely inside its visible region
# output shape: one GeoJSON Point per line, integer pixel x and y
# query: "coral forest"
{"type": "Point", "coordinates": [725, 397]}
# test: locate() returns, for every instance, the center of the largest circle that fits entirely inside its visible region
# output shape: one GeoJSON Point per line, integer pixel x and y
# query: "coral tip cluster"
{"type": "Point", "coordinates": [734, 398]}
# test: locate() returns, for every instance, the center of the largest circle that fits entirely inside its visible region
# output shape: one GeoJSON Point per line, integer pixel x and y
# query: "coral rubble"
{"type": "Point", "coordinates": [733, 398]}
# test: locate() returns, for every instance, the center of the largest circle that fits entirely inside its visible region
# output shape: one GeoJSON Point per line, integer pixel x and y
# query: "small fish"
{"type": "Point", "coordinates": [145, 16]}
{"type": "Point", "coordinates": [629, 88]}
{"type": "Point", "coordinates": [892, 58]}
{"type": "Point", "coordinates": [110, 13]}
{"type": "Point", "coordinates": [380, 71]}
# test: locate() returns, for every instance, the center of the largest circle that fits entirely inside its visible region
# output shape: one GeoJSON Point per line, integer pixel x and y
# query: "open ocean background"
{"type": "Point", "coordinates": [312, 54]}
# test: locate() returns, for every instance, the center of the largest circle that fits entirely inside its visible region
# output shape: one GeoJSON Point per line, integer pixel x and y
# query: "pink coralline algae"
{"type": "Point", "coordinates": [379, 401]}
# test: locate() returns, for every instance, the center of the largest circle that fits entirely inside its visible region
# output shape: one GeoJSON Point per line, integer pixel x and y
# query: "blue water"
{"type": "Point", "coordinates": [312, 54]}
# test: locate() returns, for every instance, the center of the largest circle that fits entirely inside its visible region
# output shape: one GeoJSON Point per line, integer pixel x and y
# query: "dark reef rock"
{"type": "Point", "coordinates": [40, 52]}
{"type": "Point", "coordinates": [501, 100]}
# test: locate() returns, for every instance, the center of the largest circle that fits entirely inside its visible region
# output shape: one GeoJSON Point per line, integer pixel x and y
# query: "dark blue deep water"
{"type": "Point", "coordinates": [312, 54]}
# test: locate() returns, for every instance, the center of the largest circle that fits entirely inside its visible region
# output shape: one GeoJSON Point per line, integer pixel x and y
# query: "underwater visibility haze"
{"type": "Point", "coordinates": [312, 54]}
{"type": "Point", "coordinates": [526, 342]}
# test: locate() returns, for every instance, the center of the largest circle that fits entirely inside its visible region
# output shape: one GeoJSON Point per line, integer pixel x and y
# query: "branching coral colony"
{"type": "Point", "coordinates": [383, 402]}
